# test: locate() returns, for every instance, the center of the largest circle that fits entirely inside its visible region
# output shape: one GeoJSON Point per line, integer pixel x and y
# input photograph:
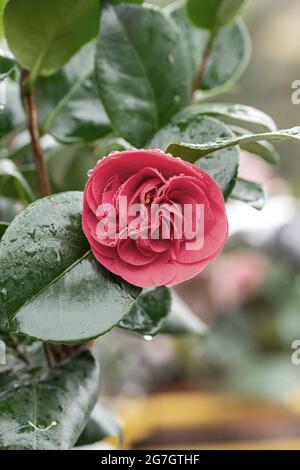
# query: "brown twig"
{"type": "Point", "coordinates": [33, 127]}
{"type": "Point", "coordinates": [201, 69]}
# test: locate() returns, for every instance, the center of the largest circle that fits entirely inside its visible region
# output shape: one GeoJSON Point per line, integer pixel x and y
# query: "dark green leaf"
{"type": "Point", "coordinates": [149, 313]}
{"type": "Point", "coordinates": [229, 54]}
{"type": "Point", "coordinates": [68, 103]}
{"type": "Point", "coordinates": [231, 113]}
{"type": "Point", "coordinates": [229, 57]}
{"type": "Point", "coordinates": [3, 227]}
{"type": "Point", "coordinates": [48, 411]}
{"type": "Point", "coordinates": [101, 424]}
{"type": "Point", "coordinates": [182, 321]}
{"type": "Point", "coordinates": [219, 165]}
{"type": "Point", "coordinates": [43, 36]}
{"type": "Point", "coordinates": [194, 40]}
{"type": "Point", "coordinates": [141, 87]}
{"type": "Point", "coordinates": [12, 182]}
{"type": "Point", "coordinates": [249, 192]}
{"type": "Point", "coordinates": [213, 13]}
{"type": "Point", "coordinates": [192, 152]}
{"type": "Point", "coordinates": [51, 287]}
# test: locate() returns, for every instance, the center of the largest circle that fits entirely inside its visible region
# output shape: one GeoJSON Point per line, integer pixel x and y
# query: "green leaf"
{"type": "Point", "coordinates": [68, 166]}
{"type": "Point", "coordinates": [101, 424]}
{"type": "Point", "coordinates": [3, 228]}
{"type": "Point", "coordinates": [68, 103]}
{"type": "Point", "coordinates": [222, 166]}
{"type": "Point", "coordinates": [194, 40]}
{"type": "Point", "coordinates": [249, 192]}
{"type": "Point", "coordinates": [2, 6]}
{"type": "Point", "coordinates": [263, 150]}
{"type": "Point", "coordinates": [43, 36]}
{"type": "Point", "coordinates": [231, 113]}
{"type": "Point", "coordinates": [149, 313]}
{"type": "Point", "coordinates": [12, 182]}
{"type": "Point", "coordinates": [192, 152]}
{"type": "Point", "coordinates": [48, 411]}
{"type": "Point", "coordinates": [229, 53]}
{"type": "Point", "coordinates": [229, 58]}
{"type": "Point", "coordinates": [141, 87]}
{"type": "Point", "coordinates": [12, 117]}
{"type": "Point", "coordinates": [213, 13]}
{"type": "Point", "coordinates": [182, 321]}
{"type": "Point", "coordinates": [51, 287]}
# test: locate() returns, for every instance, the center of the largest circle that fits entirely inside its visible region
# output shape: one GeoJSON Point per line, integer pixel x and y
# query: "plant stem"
{"type": "Point", "coordinates": [201, 69]}
{"type": "Point", "coordinates": [33, 127]}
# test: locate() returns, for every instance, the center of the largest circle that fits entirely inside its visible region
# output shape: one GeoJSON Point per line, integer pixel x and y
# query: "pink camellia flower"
{"type": "Point", "coordinates": [153, 219]}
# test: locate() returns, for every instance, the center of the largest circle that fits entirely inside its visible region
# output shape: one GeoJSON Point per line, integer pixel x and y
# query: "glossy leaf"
{"type": "Point", "coordinates": [48, 411]}
{"type": "Point", "coordinates": [213, 13]}
{"type": "Point", "coordinates": [3, 228]}
{"type": "Point", "coordinates": [222, 166]}
{"type": "Point", "coordinates": [229, 57]}
{"type": "Point", "coordinates": [194, 40]}
{"type": "Point", "coordinates": [253, 194]}
{"type": "Point", "coordinates": [51, 287]}
{"type": "Point", "coordinates": [192, 152]}
{"type": "Point", "coordinates": [182, 321]}
{"type": "Point", "coordinates": [263, 150]}
{"type": "Point", "coordinates": [141, 87]}
{"type": "Point", "coordinates": [229, 53]}
{"type": "Point", "coordinates": [231, 113]}
{"type": "Point", "coordinates": [43, 36]}
{"type": "Point", "coordinates": [149, 313]}
{"type": "Point", "coordinates": [100, 425]}
{"type": "Point", "coordinates": [12, 182]}
{"type": "Point", "coordinates": [68, 103]}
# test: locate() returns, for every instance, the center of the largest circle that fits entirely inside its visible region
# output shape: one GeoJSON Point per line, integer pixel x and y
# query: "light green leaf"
{"type": "Point", "coordinates": [231, 113]}
{"type": "Point", "coordinates": [222, 166]}
{"type": "Point", "coordinates": [101, 424]}
{"type": "Point", "coordinates": [68, 103]}
{"type": "Point", "coordinates": [141, 87]}
{"type": "Point", "coordinates": [149, 313]}
{"type": "Point", "coordinates": [12, 182]}
{"type": "Point", "coordinates": [213, 13]}
{"type": "Point", "coordinates": [250, 192]}
{"type": "Point", "coordinates": [192, 152]}
{"type": "Point", "coordinates": [47, 411]}
{"type": "Point", "coordinates": [43, 36]}
{"type": "Point", "coordinates": [2, 6]}
{"type": "Point", "coordinates": [263, 150]}
{"type": "Point", "coordinates": [51, 287]}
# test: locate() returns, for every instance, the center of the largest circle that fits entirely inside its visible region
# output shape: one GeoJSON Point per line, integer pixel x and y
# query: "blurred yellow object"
{"type": "Point", "coordinates": [197, 420]}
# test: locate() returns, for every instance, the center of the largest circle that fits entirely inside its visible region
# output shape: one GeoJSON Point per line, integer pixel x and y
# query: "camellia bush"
{"type": "Point", "coordinates": [105, 102]}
